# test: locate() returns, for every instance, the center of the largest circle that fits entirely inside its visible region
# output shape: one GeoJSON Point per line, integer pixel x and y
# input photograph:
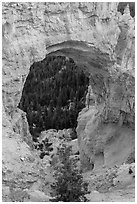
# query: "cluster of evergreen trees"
{"type": "Point", "coordinates": [53, 94]}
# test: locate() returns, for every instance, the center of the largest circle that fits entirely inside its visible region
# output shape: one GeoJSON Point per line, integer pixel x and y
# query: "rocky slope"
{"type": "Point", "coordinates": [101, 41]}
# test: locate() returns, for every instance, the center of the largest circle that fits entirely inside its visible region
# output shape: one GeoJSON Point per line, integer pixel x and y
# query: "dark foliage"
{"type": "Point", "coordinates": [53, 94]}
{"type": "Point", "coordinates": [69, 185]}
{"type": "Point", "coordinates": [122, 5]}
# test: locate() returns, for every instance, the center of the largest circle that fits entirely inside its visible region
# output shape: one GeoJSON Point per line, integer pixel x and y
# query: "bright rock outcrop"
{"type": "Point", "coordinates": [101, 41]}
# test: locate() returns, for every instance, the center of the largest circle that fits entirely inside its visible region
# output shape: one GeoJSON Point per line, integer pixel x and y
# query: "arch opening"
{"type": "Point", "coordinates": [53, 95]}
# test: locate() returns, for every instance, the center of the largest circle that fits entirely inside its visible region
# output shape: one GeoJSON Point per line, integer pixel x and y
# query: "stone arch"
{"type": "Point", "coordinates": [91, 59]}
{"type": "Point", "coordinates": [82, 54]}
{"type": "Point", "coordinates": [73, 36]}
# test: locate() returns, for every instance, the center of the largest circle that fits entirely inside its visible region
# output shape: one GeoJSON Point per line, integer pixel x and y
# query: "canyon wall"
{"type": "Point", "coordinates": [99, 39]}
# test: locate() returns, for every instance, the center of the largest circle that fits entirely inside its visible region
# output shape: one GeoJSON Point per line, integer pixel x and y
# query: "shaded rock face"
{"type": "Point", "coordinates": [98, 38]}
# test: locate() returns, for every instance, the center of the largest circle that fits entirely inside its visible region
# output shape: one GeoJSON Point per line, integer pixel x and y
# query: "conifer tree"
{"type": "Point", "coordinates": [69, 185]}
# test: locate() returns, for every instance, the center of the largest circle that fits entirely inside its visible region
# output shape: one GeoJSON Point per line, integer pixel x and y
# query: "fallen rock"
{"type": "Point", "coordinates": [124, 177]}
{"type": "Point", "coordinates": [38, 196]}
{"type": "Point", "coordinates": [5, 191]}
{"type": "Point", "coordinates": [74, 144]}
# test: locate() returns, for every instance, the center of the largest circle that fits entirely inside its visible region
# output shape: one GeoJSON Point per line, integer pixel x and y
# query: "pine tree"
{"type": "Point", "coordinates": [69, 185]}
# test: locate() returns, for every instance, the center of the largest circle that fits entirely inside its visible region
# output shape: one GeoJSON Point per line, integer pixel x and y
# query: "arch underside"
{"type": "Point", "coordinates": [85, 55]}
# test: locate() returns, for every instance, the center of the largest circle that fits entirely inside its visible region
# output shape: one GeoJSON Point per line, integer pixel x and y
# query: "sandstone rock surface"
{"type": "Point", "coordinates": [38, 196]}
{"type": "Point", "coordinates": [101, 41]}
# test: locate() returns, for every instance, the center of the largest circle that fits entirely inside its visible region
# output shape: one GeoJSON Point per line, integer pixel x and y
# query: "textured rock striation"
{"type": "Point", "coordinates": [101, 41]}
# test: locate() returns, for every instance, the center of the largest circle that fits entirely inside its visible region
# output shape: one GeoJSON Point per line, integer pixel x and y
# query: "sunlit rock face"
{"type": "Point", "coordinates": [31, 30]}
{"type": "Point", "coordinates": [106, 126]}
{"type": "Point", "coordinates": [98, 38]}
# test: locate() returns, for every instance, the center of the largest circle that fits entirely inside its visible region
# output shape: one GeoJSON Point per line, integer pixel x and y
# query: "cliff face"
{"type": "Point", "coordinates": [106, 126]}
{"type": "Point", "coordinates": [99, 39]}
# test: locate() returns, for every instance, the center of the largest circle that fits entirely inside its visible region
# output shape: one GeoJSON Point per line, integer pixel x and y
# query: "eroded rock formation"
{"type": "Point", "coordinates": [101, 40]}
